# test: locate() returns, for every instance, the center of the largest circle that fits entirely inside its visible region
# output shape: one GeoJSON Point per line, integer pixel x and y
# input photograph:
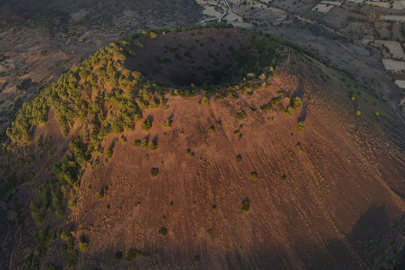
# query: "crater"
{"type": "Point", "coordinates": [205, 56]}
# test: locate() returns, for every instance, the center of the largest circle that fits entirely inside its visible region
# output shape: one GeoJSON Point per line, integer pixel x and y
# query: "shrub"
{"type": "Point", "coordinates": [38, 141]}
{"type": "Point", "coordinates": [376, 113]}
{"type": "Point", "coordinates": [297, 103]}
{"type": "Point", "coordinates": [146, 125]}
{"type": "Point", "coordinates": [167, 123]}
{"type": "Point", "coordinates": [238, 158]}
{"type": "Point", "coordinates": [153, 146]}
{"type": "Point", "coordinates": [246, 206]}
{"type": "Point", "coordinates": [83, 245]}
{"type": "Point", "coordinates": [205, 101]}
{"type": "Point", "coordinates": [66, 235]}
{"type": "Point", "coordinates": [289, 111]}
{"type": "Point", "coordinates": [144, 143]}
{"type": "Point", "coordinates": [188, 152]}
{"type": "Point", "coordinates": [211, 130]}
{"type": "Point", "coordinates": [266, 107]}
{"type": "Point", "coordinates": [118, 255]}
{"type": "Point", "coordinates": [240, 115]}
{"type": "Point", "coordinates": [358, 112]}
{"type": "Point", "coordinates": [60, 212]}
{"type": "Point", "coordinates": [100, 195]}
{"type": "Point", "coordinates": [154, 172]}
{"type": "Point", "coordinates": [133, 253]}
{"type": "Point", "coordinates": [300, 126]}
{"type": "Point", "coordinates": [57, 198]}
{"type": "Point", "coordinates": [276, 101]}
{"type": "Point", "coordinates": [253, 175]}
{"type": "Point", "coordinates": [163, 231]}
{"type": "Point", "coordinates": [214, 207]}
{"type": "Point", "coordinates": [196, 258]}
{"type": "Point", "coordinates": [209, 232]}
{"type": "Point", "coordinates": [72, 262]}
{"type": "Point", "coordinates": [73, 204]}
{"type": "Point", "coordinates": [38, 216]}
{"type": "Point", "coordinates": [137, 143]}
{"type": "Point", "coordinates": [299, 148]}
{"type": "Point", "coordinates": [70, 246]}
{"type": "Point", "coordinates": [153, 105]}
{"type": "Point", "coordinates": [109, 152]}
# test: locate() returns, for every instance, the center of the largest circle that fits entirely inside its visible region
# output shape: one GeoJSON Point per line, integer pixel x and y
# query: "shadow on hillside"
{"type": "Point", "coordinates": [365, 239]}
{"type": "Point", "coordinates": [303, 114]}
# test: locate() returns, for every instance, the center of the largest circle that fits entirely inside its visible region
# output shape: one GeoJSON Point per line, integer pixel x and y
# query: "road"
{"type": "Point", "coordinates": [219, 18]}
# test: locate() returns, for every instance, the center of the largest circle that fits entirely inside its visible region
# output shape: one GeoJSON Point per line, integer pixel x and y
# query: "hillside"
{"type": "Point", "coordinates": [265, 159]}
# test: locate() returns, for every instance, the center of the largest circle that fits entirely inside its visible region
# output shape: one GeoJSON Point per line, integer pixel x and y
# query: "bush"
{"type": "Point", "coordinates": [238, 158]}
{"type": "Point", "coordinates": [66, 235]}
{"type": "Point", "coordinates": [38, 141]}
{"type": "Point", "coordinates": [196, 259]}
{"type": "Point", "coordinates": [300, 126]}
{"type": "Point", "coordinates": [146, 125]}
{"type": "Point", "coordinates": [205, 101]}
{"type": "Point", "coordinates": [57, 198]}
{"type": "Point", "coordinates": [297, 103]}
{"type": "Point", "coordinates": [70, 246]}
{"type": "Point", "coordinates": [246, 206]}
{"type": "Point", "coordinates": [72, 262]}
{"type": "Point", "coordinates": [163, 231]}
{"type": "Point", "coordinates": [144, 143]}
{"type": "Point", "coordinates": [211, 130]}
{"type": "Point", "coordinates": [100, 195]}
{"type": "Point", "coordinates": [153, 146]}
{"type": "Point", "coordinates": [358, 112]}
{"type": "Point", "coordinates": [265, 107]}
{"type": "Point", "coordinates": [109, 152]}
{"type": "Point", "coordinates": [133, 253]}
{"type": "Point", "coordinates": [289, 111]}
{"type": "Point", "coordinates": [154, 172]}
{"type": "Point", "coordinates": [276, 101]}
{"type": "Point", "coordinates": [240, 115]}
{"type": "Point", "coordinates": [253, 175]}
{"type": "Point", "coordinates": [299, 148]}
{"type": "Point", "coordinates": [60, 212]}
{"type": "Point", "coordinates": [167, 123]}
{"type": "Point", "coordinates": [137, 143]}
{"type": "Point", "coordinates": [376, 113]}
{"type": "Point", "coordinates": [118, 255]}
{"type": "Point", "coordinates": [83, 245]}
{"type": "Point", "coordinates": [73, 204]}
{"type": "Point", "coordinates": [38, 216]}
{"type": "Point", "coordinates": [209, 232]}
{"type": "Point", "coordinates": [214, 207]}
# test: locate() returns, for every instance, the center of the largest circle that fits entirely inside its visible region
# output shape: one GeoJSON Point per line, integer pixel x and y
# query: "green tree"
{"type": "Point", "coordinates": [205, 101]}
{"type": "Point", "coordinates": [297, 103]}
{"type": "Point", "coordinates": [246, 205]}
{"type": "Point", "coordinates": [146, 125]}
{"type": "Point", "coordinates": [300, 126]}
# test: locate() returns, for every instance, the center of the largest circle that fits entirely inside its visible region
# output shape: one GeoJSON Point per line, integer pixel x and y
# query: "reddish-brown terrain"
{"type": "Point", "coordinates": [336, 205]}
